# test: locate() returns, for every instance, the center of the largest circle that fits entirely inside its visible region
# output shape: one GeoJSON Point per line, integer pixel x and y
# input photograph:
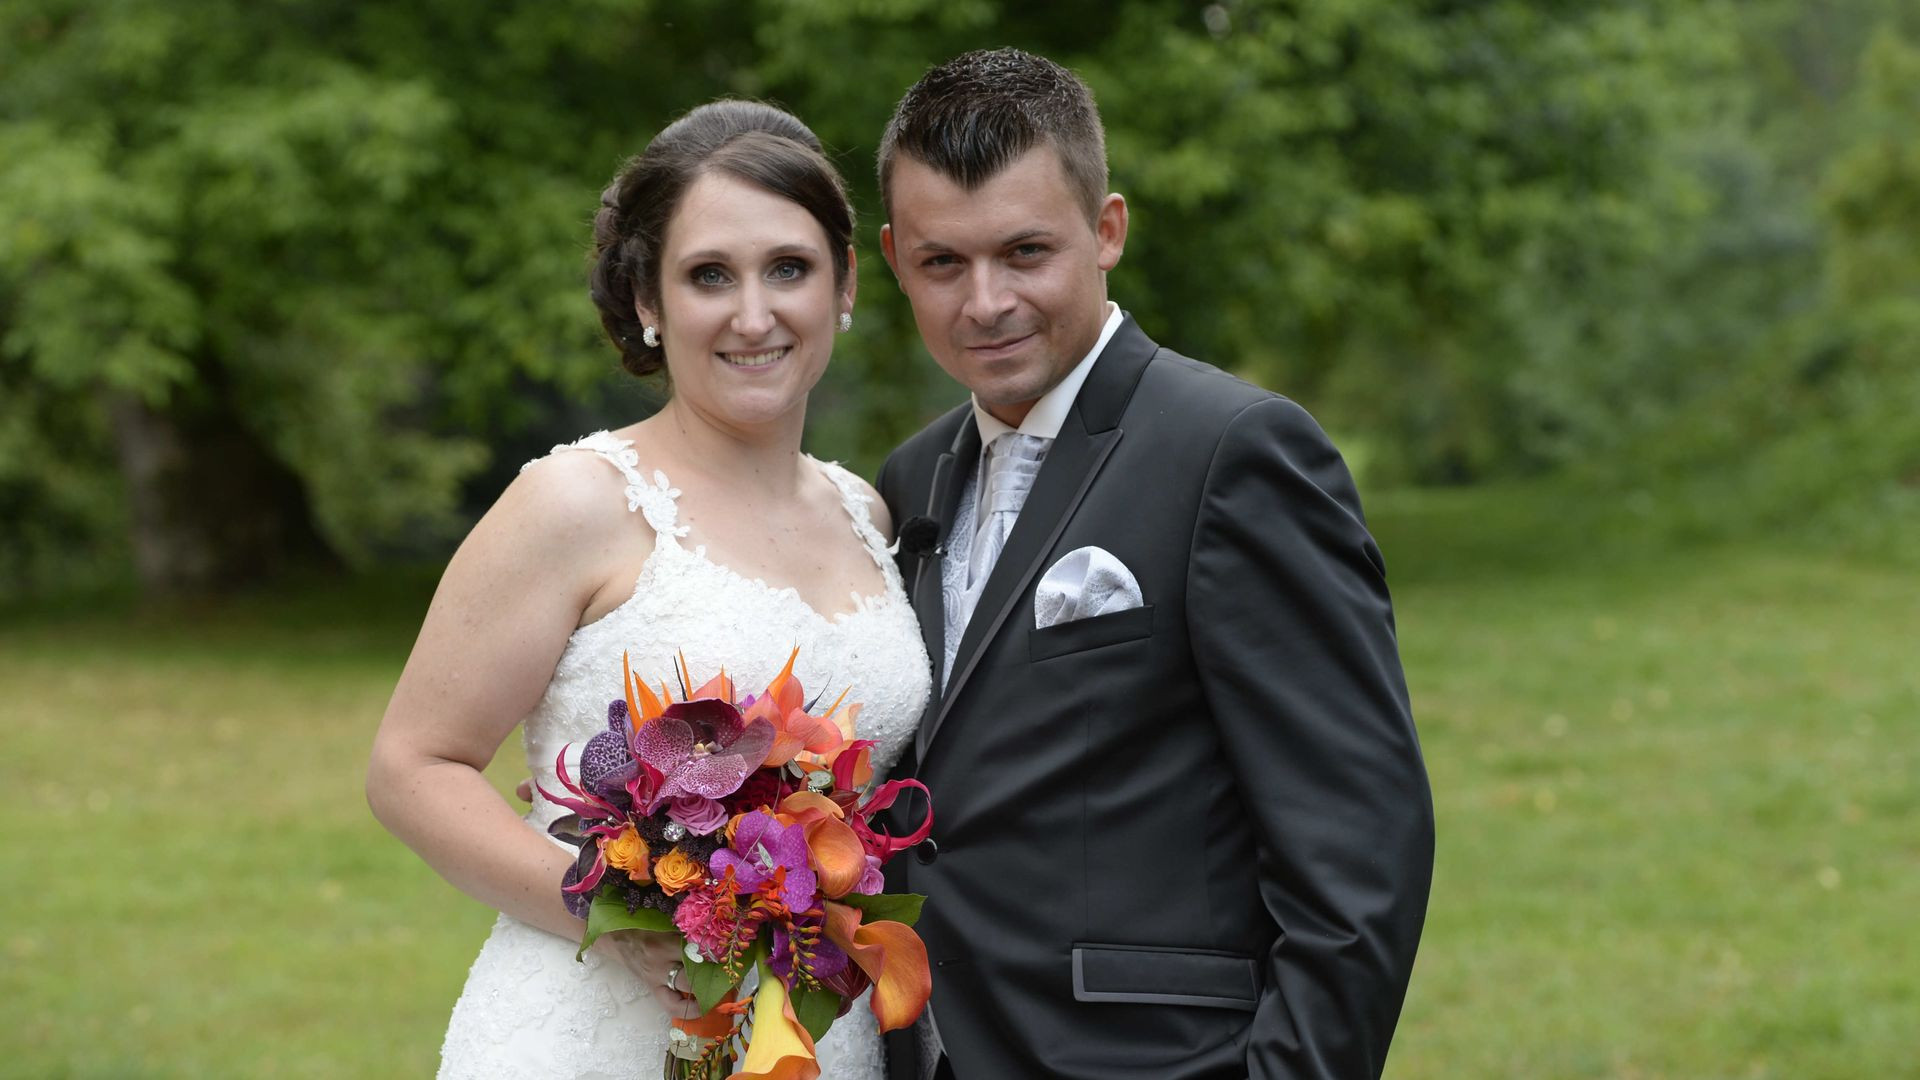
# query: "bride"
{"type": "Point", "coordinates": [723, 255]}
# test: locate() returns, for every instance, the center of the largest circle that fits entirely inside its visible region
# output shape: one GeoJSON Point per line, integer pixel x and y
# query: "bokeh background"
{"type": "Point", "coordinates": [1614, 307]}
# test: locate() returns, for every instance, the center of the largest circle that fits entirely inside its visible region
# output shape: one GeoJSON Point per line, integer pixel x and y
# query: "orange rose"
{"type": "Point", "coordinates": [678, 871]}
{"type": "Point", "coordinates": [628, 852]}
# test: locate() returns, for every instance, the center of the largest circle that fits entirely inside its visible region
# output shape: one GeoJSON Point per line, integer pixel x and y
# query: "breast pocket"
{"type": "Point", "coordinates": [1081, 635]}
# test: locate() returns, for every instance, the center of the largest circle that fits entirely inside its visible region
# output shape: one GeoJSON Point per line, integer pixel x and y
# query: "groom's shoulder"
{"type": "Point", "coordinates": [1202, 395]}
{"type": "Point", "coordinates": [1197, 412]}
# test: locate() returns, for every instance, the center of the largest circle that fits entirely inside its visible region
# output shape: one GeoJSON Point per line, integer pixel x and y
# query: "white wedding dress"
{"type": "Point", "coordinates": [529, 1009]}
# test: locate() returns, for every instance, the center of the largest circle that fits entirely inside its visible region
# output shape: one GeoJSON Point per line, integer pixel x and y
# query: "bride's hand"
{"type": "Point", "coordinates": [653, 958]}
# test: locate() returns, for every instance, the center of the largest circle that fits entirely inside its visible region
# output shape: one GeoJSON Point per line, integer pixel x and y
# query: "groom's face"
{"type": "Point", "coordinates": [1008, 281]}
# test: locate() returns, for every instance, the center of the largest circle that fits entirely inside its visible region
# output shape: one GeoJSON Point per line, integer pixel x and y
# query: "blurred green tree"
{"type": "Point", "coordinates": [279, 266]}
{"type": "Point", "coordinates": [276, 281]}
{"type": "Point", "coordinates": [1771, 362]}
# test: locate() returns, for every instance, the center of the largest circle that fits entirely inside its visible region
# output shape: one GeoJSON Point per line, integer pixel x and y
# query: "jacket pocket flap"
{"type": "Point", "coordinates": [1151, 975]}
{"type": "Point", "coordinates": [1079, 635]}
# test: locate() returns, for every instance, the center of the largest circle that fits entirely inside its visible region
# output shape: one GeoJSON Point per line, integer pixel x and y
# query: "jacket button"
{"type": "Point", "coordinates": [926, 851]}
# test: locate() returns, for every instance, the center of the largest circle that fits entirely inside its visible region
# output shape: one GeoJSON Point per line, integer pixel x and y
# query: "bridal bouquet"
{"type": "Point", "coordinates": [740, 825]}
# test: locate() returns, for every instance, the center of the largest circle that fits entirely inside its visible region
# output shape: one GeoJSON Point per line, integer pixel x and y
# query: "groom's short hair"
{"type": "Point", "coordinates": [970, 117]}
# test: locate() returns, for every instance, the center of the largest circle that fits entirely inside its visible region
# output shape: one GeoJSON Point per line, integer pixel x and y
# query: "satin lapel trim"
{"type": "Point", "coordinates": [1072, 463]}
{"type": "Point", "coordinates": [929, 590]}
{"type": "Point", "coordinates": [929, 599]}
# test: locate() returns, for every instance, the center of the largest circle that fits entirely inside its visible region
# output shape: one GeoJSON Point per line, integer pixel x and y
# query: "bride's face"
{"type": "Point", "coordinates": [748, 305]}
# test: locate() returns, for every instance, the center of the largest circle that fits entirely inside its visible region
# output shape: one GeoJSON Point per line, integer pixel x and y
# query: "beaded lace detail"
{"type": "Point", "coordinates": [528, 1008]}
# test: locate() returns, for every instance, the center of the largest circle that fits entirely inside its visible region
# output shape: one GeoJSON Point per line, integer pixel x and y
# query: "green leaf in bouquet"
{"type": "Point", "coordinates": [887, 907]}
{"type": "Point", "coordinates": [710, 983]}
{"type": "Point", "coordinates": [815, 1009]}
{"type": "Point", "coordinates": [609, 913]}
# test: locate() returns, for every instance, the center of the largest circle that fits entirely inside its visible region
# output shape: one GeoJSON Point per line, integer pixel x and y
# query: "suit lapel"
{"type": "Point", "coordinates": [928, 593]}
{"type": "Point", "coordinates": [1086, 439]}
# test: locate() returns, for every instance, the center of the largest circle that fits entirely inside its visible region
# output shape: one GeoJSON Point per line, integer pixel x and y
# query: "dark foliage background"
{"type": "Point", "coordinates": [302, 281]}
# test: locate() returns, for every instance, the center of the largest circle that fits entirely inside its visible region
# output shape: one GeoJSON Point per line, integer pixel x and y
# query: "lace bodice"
{"type": "Point", "coordinates": [526, 1000]}
{"type": "Point", "coordinates": [685, 603]}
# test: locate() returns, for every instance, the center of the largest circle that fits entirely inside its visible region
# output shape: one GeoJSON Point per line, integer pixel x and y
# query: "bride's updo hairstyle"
{"type": "Point", "coordinates": [746, 140]}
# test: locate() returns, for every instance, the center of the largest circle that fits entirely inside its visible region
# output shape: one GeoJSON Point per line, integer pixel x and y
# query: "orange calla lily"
{"type": "Point", "coordinates": [780, 1048]}
{"type": "Point", "coordinates": [807, 807]}
{"type": "Point", "coordinates": [893, 956]}
{"type": "Point", "coordinates": [838, 857]}
{"type": "Point", "coordinates": [717, 1024]}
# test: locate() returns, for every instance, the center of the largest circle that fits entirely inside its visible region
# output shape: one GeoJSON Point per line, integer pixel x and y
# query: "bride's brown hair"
{"type": "Point", "coordinates": [747, 140]}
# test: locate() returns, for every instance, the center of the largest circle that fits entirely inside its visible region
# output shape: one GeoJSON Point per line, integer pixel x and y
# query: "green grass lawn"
{"type": "Point", "coordinates": [1679, 817]}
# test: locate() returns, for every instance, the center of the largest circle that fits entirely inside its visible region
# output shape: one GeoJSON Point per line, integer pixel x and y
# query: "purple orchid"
{"type": "Point", "coordinates": [771, 858]}
{"type": "Point", "coordinates": [701, 747]}
{"type": "Point", "coordinates": [606, 765]}
{"type": "Point", "coordinates": [608, 821]}
{"type": "Point", "coordinates": [607, 761]}
{"type": "Point", "coordinates": [612, 779]}
{"type": "Point", "coordinates": [804, 945]}
{"type": "Point", "coordinates": [611, 783]}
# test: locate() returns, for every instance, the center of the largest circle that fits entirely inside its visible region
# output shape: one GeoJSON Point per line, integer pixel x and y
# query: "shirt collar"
{"type": "Point", "coordinates": [1047, 414]}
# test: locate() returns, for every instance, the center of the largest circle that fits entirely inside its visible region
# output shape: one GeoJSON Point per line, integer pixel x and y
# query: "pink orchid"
{"type": "Point", "coordinates": [701, 747]}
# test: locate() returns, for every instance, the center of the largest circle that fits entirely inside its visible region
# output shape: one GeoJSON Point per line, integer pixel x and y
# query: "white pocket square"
{"type": "Point", "coordinates": [1085, 582]}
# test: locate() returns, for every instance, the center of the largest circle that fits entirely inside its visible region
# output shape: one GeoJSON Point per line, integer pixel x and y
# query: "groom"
{"type": "Point", "coordinates": [1182, 825]}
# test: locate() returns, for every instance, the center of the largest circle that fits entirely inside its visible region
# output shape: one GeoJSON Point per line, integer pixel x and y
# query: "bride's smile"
{"type": "Point", "coordinates": [758, 359]}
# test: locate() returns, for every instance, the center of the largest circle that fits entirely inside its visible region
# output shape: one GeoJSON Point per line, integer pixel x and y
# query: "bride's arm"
{"type": "Point", "coordinates": [553, 548]}
{"type": "Point", "coordinates": [509, 600]}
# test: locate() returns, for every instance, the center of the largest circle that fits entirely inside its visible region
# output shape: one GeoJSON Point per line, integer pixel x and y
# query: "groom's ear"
{"type": "Point", "coordinates": [1110, 231]}
{"type": "Point", "coordinates": [886, 249]}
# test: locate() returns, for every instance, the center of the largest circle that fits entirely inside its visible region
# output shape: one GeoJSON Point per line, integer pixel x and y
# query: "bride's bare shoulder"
{"type": "Point", "coordinates": [850, 488]}
{"type": "Point", "coordinates": [569, 500]}
{"type": "Point", "coordinates": [876, 506]}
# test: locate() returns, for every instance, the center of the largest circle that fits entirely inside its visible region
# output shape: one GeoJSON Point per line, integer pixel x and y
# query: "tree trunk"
{"type": "Point", "coordinates": [211, 507]}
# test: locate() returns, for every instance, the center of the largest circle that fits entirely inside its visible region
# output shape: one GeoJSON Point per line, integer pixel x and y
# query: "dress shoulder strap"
{"type": "Point", "coordinates": [855, 499]}
{"type": "Point", "coordinates": [655, 500]}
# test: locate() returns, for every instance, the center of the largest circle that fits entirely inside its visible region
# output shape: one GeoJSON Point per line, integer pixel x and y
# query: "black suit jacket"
{"type": "Point", "coordinates": [1192, 839]}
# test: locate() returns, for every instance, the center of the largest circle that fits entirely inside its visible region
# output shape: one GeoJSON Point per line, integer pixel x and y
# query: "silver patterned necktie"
{"type": "Point", "coordinates": [1013, 460]}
